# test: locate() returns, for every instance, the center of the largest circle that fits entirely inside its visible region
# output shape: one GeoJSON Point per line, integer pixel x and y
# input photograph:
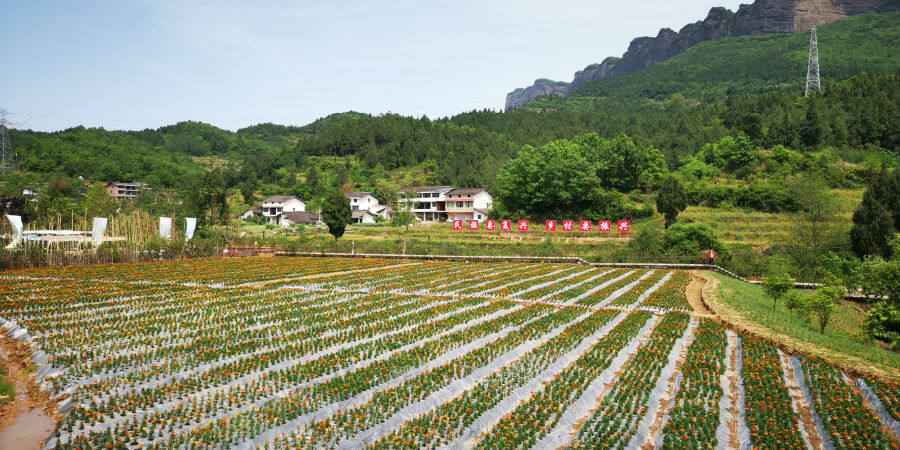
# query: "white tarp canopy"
{"type": "Point", "coordinates": [99, 229]}
{"type": "Point", "coordinates": [165, 227]}
{"type": "Point", "coordinates": [190, 224]}
{"type": "Point", "coordinates": [16, 222]}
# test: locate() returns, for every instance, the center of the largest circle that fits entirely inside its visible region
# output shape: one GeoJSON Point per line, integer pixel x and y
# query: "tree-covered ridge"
{"type": "Point", "coordinates": [753, 64]}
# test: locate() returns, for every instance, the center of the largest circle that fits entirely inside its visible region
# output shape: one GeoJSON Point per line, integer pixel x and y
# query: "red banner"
{"type": "Point", "coordinates": [603, 226]}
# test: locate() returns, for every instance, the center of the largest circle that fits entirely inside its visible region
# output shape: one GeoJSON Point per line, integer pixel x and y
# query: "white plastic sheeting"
{"type": "Point", "coordinates": [623, 289]}
{"type": "Point", "coordinates": [580, 409]}
{"type": "Point", "coordinates": [575, 285]}
{"type": "Point", "coordinates": [736, 399]}
{"type": "Point", "coordinates": [165, 227]}
{"type": "Point", "coordinates": [878, 407]}
{"type": "Point", "coordinates": [587, 293]}
{"type": "Point", "coordinates": [663, 388]}
{"type": "Point", "coordinates": [445, 394]}
{"type": "Point", "coordinates": [469, 437]}
{"type": "Point", "coordinates": [16, 222]}
{"type": "Point", "coordinates": [820, 426]}
{"type": "Point", "coordinates": [652, 289]}
{"type": "Point", "coordinates": [249, 377]}
{"type": "Point", "coordinates": [190, 224]}
{"type": "Point", "coordinates": [554, 281]}
{"type": "Point", "coordinates": [99, 229]}
{"type": "Point", "coordinates": [792, 386]}
{"type": "Point", "coordinates": [366, 396]}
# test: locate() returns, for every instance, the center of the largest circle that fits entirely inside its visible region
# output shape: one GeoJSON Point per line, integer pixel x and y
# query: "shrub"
{"type": "Point", "coordinates": [688, 241]}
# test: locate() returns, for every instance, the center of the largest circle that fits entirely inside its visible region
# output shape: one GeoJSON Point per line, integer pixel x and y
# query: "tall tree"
{"type": "Point", "coordinates": [671, 200]}
{"type": "Point", "coordinates": [312, 180]}
{"type": "Point", "coordinates": [819, 207]}
{"type": "Point", "coordinates": [336, 213]}
{"type": "Point", "coordinates": [873, 228]}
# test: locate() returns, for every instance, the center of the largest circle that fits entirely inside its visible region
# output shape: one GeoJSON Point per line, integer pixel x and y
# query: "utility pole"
{"type": "Point", "coordinates": [812, 72]}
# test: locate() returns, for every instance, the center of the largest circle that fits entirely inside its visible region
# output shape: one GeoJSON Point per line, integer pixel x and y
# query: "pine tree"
{"type": "Point", "coordinates": [873, 227]}
{"type": "Point", "coordinates": [671, 200]}
{"type": "Point", "coordinates": [336, 213]}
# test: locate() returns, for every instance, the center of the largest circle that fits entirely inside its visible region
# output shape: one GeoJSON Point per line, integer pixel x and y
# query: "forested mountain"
{"type": "Point", "coordinates": [750, 85]}
{"type": "Point", "coordinates": [759, 18]}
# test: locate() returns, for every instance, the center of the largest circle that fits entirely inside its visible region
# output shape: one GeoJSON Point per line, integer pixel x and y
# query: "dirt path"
{"type": "Point", "coordinates": [27, 420]}
{"type": "Point", "coordinates": [798, 401]}
{"type": "Point", "coordinates": [694, 293]}
{"type": "Point", "coordinates": [733, 381]}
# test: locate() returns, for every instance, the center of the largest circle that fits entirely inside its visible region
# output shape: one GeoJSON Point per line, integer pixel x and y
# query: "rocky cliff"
{"type": "Point", "coordinates": [761, 17]}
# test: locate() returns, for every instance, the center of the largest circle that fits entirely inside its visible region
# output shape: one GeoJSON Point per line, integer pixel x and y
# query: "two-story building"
{"type": "Point", "coordinates": [426, 202]}
{"type": "Point", "coordinates": [365, 202]}
{"type": "Point", "coordinates": [275, 206]}
{"type": "Point", "coordinates": [468, 203]}
{"type": "Point", "coordinates": [123, 190]}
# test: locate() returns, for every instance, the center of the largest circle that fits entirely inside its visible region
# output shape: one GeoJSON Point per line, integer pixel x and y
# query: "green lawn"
{"type": "Point", "coordinates": [750, 301]}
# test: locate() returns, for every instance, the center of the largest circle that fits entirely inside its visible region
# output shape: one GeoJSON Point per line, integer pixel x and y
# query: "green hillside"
{"type": "Point", "coordinates": [754, 64]}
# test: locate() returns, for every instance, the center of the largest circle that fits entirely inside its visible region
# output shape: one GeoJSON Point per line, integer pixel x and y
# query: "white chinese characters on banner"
{"type": "Point", "coordinates": [603, 226]}
{"type": "Point", "coordinates": [99, 230]}
{"type": "Point", "coordinates": [16, 222]}
{"type": "Point", "coordinates": [165, 227]}
{"type": "Point", "coordinates": [190, 224]}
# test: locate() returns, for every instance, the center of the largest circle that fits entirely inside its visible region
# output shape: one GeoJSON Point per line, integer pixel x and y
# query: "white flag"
{"type": "Point", "coordinates": [190, 224]}
{"type": "Point", "coordinates": [165, 227]}
{"type": "Point", "coordinates": [99, 229]}
{"type": "Point", "coordinates": [16, 222]}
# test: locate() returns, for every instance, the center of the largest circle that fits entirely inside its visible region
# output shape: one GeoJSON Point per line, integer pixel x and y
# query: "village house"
{"type": "Point", "coordinates": [276, 205]}
{"type": "Point", "coordinates": [300, 218]}
{"type": "Point", "coordinates": [426, 202]}
{"type": "Point", "coordinates": [366, 202]}
{"type": "Point", "coordinates": [124, 190]}
{"type": "Point", "coordinates": [251, 212]}
{"type": "Point", "coordinates": [362, 216]}
{"type": "Point", "coordinates": [468, 204]}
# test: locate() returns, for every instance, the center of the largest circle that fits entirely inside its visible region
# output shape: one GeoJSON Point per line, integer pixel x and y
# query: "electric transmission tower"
{"type": "Point", "coordinates": [6, 153]}
{"type": "Point", "coordinates": [5, 149]}
{"type": "Point", "coordinates": [812, 72]}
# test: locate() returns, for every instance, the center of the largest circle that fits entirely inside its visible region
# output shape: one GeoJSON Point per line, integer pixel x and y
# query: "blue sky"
{"type": "Point", "coordinates": [139, 64]}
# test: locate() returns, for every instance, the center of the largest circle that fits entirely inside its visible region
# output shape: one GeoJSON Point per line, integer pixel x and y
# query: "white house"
{"type": "Point", "coordinates": [361, 216]}
{"type": "Point", "coordinates": [427, 202]}
{"type": "Point", "coordinates": [381, 210]}
{"type": "Point", "coordinates": [254, 211]}
{"type": "Point", "coordinates": [273, 207]}
{"type": "Point", "coordinates": [361, 201]}
{"type": "Point", "coordinates": [468, 203]}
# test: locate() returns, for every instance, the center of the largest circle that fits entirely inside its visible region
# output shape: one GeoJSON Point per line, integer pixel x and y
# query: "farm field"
{"type": "Point", "coordinates": [352, 353]}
